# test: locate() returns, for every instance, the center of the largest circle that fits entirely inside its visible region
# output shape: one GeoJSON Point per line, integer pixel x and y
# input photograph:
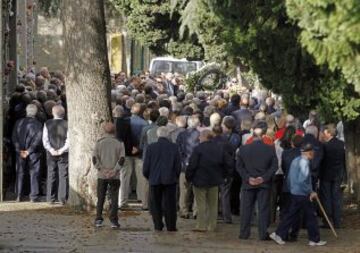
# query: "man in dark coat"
{"type": "Point", "coordinates": [332, 174]}
{"type": "Point", "coordinates": [243, 113]}
{"type": "Point", "coordinates": [209, 165]}
{"type": "Point", "coordinates": [257, 164]}
{"type": "Point", "coordinates": [234, 105]}
{"type": "Point", "coordinates": [123, 134]}
{"type": "Point", "coordinates": [311, 137]}
{"type": "Point", "coordinates": [162, 169]}
{"type": "Point", "coordinates": [286, 159]}
{"type": "Point", "coordinates": [26, 138]}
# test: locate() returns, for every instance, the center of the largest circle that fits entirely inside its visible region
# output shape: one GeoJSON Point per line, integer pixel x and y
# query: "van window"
{"type": "Point", "coordinates": [161, 66]}
{"type": "Point", "coordinates": [184, 67]}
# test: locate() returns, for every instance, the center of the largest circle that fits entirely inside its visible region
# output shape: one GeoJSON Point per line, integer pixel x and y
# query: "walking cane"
{"type": "Point", "coordinates": [326, 217]}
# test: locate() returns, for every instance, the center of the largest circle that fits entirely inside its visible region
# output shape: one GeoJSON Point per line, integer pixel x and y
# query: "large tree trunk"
{"type": "Point", "coordinates": [352, 139]}
{"type": "Point", "coordinates": [88, 92]}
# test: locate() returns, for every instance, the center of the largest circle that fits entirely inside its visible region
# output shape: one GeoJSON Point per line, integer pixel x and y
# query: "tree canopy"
{"type": "Point", "coordinates": [154, 25]}
{"type": "Point", "coordinates": [330, 31]}
{"type": "Point", "coordinates": [261, 35]}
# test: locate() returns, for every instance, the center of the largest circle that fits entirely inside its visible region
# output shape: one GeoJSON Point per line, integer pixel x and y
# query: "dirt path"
{"type": "Point", "coordinates": [26, 227]}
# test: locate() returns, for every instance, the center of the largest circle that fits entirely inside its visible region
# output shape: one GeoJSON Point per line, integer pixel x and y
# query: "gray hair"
{"type": "Point", "coordinates": [290, 120]}
{"type": "Point", "coordinates": [189, 96]}
{"type": "Point", "coordinates": [58, 111]}
{"type": "Point", "coordinates": [215, 119]}
{"type": "Point", "coordinates": [313, 130]}
{"type": "Point", "coordinates": [31, 110]}
{"type": "Point", "coordinates": [118, 111]}
{"type": "Point", "coordinates": [129, 102]}
{"type": "Point", "coordinates": [164, 111]}
{"type": "Point", "coordinates": [208, 110]}
{"type": "Point", "coordinates": [193, 122]}
{"type": "Point", "coordinates": [162, 131]}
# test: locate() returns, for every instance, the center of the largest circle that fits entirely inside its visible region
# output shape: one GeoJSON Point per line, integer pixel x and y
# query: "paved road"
{"type": "Point", "coordinates": [26, 227]}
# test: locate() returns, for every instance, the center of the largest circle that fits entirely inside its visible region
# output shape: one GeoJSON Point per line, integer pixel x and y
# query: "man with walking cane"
{"type": "Point", "coordinates": [302, 195]}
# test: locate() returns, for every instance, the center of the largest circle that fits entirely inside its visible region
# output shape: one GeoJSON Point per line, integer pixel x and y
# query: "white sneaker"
{"type": "Point", "coordinates": [276, 238]}
{"type": "Point", "coordinates": [319, 243]}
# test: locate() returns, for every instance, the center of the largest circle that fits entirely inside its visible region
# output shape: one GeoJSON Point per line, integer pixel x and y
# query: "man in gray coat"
{"type": "Point", "coordinates": [108, 159]}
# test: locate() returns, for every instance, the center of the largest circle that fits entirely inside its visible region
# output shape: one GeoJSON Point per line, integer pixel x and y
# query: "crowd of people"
{"type": "Point", "coordinates": [201, 155]}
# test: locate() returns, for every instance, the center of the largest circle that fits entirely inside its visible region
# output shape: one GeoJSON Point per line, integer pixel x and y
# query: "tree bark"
{"type": "Point", "coordinates": [352, 140]}
{"type": "Point", "coordinates": [1, 104]}
{"type": "Point", "coordinates": [88, 87]}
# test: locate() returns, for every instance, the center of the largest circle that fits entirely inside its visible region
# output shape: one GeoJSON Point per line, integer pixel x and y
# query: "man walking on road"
{"type": "Point", "coordinates": [302, 195]}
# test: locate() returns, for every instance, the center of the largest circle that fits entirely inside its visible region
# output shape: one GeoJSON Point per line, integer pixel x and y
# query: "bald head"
{"type": "Point", "coordinates": [58, 112]}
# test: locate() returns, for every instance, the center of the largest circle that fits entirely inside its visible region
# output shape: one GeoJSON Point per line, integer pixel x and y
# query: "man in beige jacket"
{"type": "Point", "coordinates": [108, 159]}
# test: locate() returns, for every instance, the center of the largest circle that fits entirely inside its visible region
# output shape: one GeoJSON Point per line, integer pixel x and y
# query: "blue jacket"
{"type": "Point", "coordinates": [286, 159]}
{"type": "Point", "coordinates": [299, 178]}
{"type": "Point", "coordinates": [162, 163]}
{"type": "Point", "coordinates": [136, 124]}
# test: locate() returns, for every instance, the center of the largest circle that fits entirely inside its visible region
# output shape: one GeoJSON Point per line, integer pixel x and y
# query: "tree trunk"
{"type": "Point", "coordinates": [1, 105]}
{"type": "Point", "coordinates": [88, 92]}
{"type": "Point", "coordinates": [352, 139]}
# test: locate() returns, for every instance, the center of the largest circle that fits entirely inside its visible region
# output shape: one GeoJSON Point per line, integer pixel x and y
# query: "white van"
{"type": "Point", "coordinates": [160, 65]}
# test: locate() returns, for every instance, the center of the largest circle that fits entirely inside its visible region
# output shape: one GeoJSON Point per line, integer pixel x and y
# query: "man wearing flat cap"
{"type": "Point", "coordinates": [256, 163]}
{"type": "Point", "coordinates": [302, 194]}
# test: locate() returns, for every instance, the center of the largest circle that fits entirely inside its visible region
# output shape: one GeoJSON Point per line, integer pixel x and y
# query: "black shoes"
{"type": "Point", "coordinates": [99, 223]}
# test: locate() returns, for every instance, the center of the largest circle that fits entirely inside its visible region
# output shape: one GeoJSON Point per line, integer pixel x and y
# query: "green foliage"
{"type": "Point", "coordinates": [210, 77]}
{"type": "Point", "coordinates": [331, 33]}
{"type": "Point", "coordinates": [154, 25]}
{"type": "Point", "coordinates": [261, 35]}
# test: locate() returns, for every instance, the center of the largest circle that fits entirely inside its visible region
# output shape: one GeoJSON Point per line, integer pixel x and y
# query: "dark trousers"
{"type": "Point", "coordinates": [163, 203]}
{"type": "Point", "coordinates": [284, 210]}
{"type": "Point", "coordinates": [235, 193]}
{"type": "Point", "coordinates": [102, 187]}
{"type": "Point", "coordinates": [331, 197]}
{"type": "Point", "coordinates": [225, 195]}
{"type": "Point", "coordinates": [248, 199]}
{"type": "Point", "coordinates": [57, 177]}
{"type": "Point", "coordinates": [299, 203]}
{"type": "Point", "coordinates": [276, 195]}
{"type": "Point", "coordinates": [31, 166]}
